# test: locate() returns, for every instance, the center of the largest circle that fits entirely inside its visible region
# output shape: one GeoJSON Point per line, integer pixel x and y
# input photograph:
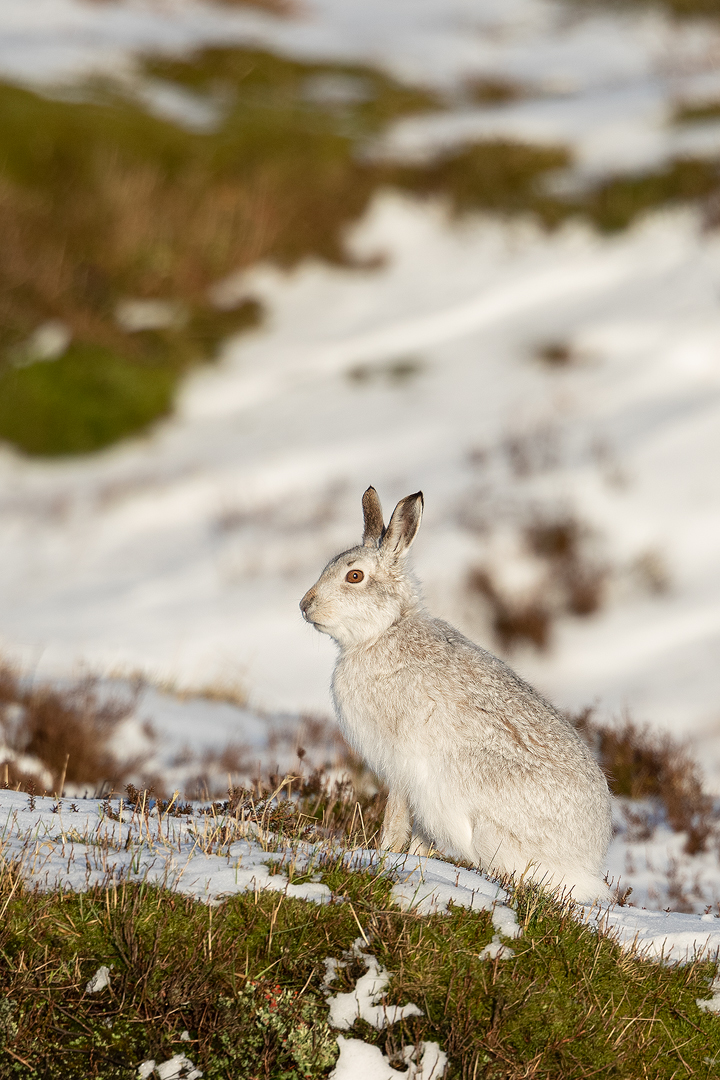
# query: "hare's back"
{"type": "Point", "coordinates": [484, 697]}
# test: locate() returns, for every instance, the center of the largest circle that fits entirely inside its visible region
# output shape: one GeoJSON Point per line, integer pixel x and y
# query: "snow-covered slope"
{"type": "Point", "coordinates": [77, 845]}
{"type": "Point", "coordinates": [184, 554]}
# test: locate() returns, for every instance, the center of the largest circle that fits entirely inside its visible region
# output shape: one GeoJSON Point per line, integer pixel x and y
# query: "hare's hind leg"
{"type": "Point", "coordinates": [396, 823]}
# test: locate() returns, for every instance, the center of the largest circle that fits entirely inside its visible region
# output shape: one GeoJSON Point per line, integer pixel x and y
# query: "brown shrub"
{"type": "Point", "coordinates": [578, 580]}
{"type": "Point", "coordinates": [555, 354]}
{"type": "Point", "coordinates": [640, 763]}
{"type": "Point", "coordinates": [554, 538]}
{"type": "Point", "coordinates": [67, 730]}
{"type": "Point", "coordinates": [573, 583]}
{"type": "Point", "coordinates": [513, 623]}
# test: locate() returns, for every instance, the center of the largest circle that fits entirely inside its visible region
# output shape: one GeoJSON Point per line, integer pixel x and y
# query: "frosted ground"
{"type": "Point", "coordinates": [183, 555]}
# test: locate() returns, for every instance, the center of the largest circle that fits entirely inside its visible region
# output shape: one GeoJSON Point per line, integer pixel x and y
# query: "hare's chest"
{"type": "Point", "coordinates": [358, 703]}
{"type": "Point", "coordinates": [377, 707]}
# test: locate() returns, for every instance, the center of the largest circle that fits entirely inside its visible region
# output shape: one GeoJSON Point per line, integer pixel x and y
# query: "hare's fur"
{"type": "Point", "coordinates": [487, 770]}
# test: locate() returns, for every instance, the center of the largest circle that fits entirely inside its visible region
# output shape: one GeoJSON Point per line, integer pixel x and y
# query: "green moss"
{"type": "Point", "coordinates": [245, 980]}
{"type": "Point", "coordinates": [87, 399]}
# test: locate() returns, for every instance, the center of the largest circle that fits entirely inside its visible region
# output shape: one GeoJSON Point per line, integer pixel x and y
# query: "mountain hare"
{"type": "Point", "coordinates": [489, 771]}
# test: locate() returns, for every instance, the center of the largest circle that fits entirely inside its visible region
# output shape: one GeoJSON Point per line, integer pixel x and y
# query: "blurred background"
{"type": "Point", "coordinates": [256, 257]}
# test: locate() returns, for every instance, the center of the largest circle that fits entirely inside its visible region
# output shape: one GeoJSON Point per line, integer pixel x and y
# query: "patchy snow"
{"type": "Point", "coordinates": [75, 845]}
{"type": "Point", "coordinates": [661, 935]}
{"type": "Point", "coordinates": [428, 886]}
{"type": "Point", "coordinates": [99, 981]}
{"type": "Point", "coordinates": [365, 1001]}
{"type": "Point", "coordinates": [495, 950]}
{"type": "Point", "coordinates": [358, 1060]}
{"type": "Point", "coordinates": [178, 1067]}
{"type": "Point", "coordinates": [711, 1005]}
{"type": "Point", "coordinates": [650, 859]}
{"type": "Point", "coordinates": [361, 1061]}
{"type": "Point", "coordinates": [183, 555]}
{"type": "Point", "coordinates": [604, 83]}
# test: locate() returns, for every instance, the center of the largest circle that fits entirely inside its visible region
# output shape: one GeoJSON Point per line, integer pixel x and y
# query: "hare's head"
{"type": "Point", "coordinates": [363, 591]}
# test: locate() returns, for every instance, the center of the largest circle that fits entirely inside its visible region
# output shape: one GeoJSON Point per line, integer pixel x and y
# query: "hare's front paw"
{"type": "Point", "coordinates": [396, 823]}
{"type": "Point", "coordinates": [419, 845]}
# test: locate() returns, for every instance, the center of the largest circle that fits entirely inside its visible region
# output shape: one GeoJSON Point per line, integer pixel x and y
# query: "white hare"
{"type": "Point", "coordinates": [485, 767]}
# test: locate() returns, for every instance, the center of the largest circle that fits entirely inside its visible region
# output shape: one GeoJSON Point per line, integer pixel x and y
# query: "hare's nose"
{"type": "Point", "coordinates": [307, 601]}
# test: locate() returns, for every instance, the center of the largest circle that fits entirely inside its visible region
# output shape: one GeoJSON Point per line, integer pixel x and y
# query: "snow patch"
{"type": "Point", "coordinates": [711, 1005]}
{"type": "Point", "coordinates": [360, 1061]}
{"type": "Point", "coordinates": [496, 950]}
{"type": "Point", "coordinates": [364, 1002]}
{"type": "Point", "coordinates": [178, 1067]}
{"type": "Point", "coordinates": [99, 981]}
{"type": "Point", "coordinates": [429, 886]}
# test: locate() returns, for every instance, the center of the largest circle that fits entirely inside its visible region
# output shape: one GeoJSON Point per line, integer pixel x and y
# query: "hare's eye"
{"type": "Point", "coordinates": [354, 576]}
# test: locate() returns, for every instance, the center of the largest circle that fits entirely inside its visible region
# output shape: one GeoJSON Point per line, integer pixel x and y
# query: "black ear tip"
{"type": "Point", "coordinates": [369, 491]}
{"type": "Point", "coordinates": [419, 495]}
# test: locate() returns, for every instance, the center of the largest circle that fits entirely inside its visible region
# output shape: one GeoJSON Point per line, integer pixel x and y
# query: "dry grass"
{"type": "Point", "coordinates": [640, 763]}
{"type": "Point", "coordinates": [66, 733]}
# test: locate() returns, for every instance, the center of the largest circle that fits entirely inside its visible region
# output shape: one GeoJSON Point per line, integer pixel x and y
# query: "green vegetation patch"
{"type": "Point", "coordinates": [697, 112]}
{"type": "Point", "coordinates": [102, 203]}
{"type": "Point", "coordinates": [105, 207]}
{"type": "Point", "coordinates": [680, 9]}
{"type": "Point", "coordinates": [108, 396]}
{"type": "Point", "coordinates": [238, 988]}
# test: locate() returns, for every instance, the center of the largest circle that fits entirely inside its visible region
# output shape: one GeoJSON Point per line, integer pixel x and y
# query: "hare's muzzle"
{"type": "Point", "coordinates": [306, 603]}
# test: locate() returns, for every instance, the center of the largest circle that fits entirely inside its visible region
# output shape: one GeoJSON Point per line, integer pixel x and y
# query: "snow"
{"type": "Point", "coordinates": [364, 1002]}
{"type": "Point", "coordinates": [78, 848]}
{"type": "Point", "coordinates": [358, 1060]}
{"type": "Point", "coordinates": [99, 981]}
{"type": "Point", "coordinates": [361, 1061]}
{"type": "Point", "coordinates": [58, 846]}
{"type": "Point", "coordinates": [177, 1067]}
{"type": "Point", "coordinates": [661, 935]}
{"type": "Point", "coordinates": [711, 1005]}
{"type": "Point", "coordinates": [429, 886]}
{"type": "Point", "coordinates": [659, 871]}
{"type": "Point", "coordinates": [496, 950]}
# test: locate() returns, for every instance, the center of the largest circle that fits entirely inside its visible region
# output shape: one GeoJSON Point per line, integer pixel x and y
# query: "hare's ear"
{"type": "Point", "coordinates": [372, 513]}
{"type": "Point", "coordinates": [403, 526]}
